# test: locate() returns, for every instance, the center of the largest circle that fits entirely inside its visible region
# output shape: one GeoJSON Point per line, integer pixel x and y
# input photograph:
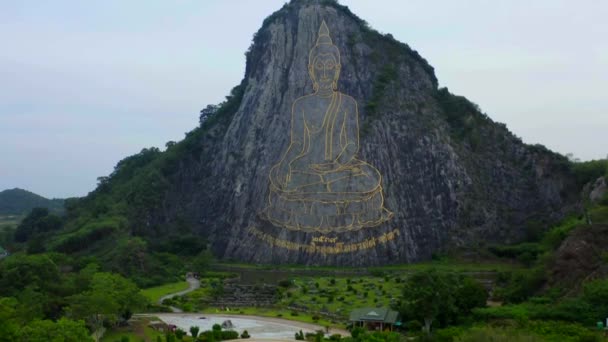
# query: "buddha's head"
{"type": "Point", "coordinates": [324, 62]}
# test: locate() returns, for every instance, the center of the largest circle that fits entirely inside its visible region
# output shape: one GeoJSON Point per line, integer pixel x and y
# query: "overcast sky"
{"type": "Point", "coordinates": [84, 84]}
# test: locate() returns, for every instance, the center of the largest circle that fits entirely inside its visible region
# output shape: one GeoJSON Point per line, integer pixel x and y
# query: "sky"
{"type": "Point", "coordinates": [84, 84]}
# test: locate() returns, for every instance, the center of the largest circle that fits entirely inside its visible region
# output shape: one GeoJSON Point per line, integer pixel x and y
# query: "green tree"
{"type": "Point", "coordinates": [201, 262]}
{"type": "Point", "coordinates": [424, 294]}
{"type": "Point", "coordinates": [9, 325]}
{"type": "Point", "coordinates": [64, 330]}
{"type": "Point", "coordinates": [443, 297]}
{"type": "Point", "coordinates": [109, 297]}
{"type": "Point", "coordinates": [20, 271]}
{"type": "Point", "coordinates": [194, 331]}
{"type": "Point", "coordinates": [131, 256]}
{"type": "Point", "coordinates": [39, 220]}
{"type": "Point", "coordinates": [31, 304]}
{"type": "Point", "coordinates": [470, 294]}
{"type": "Point", "coordinates": [595, 293]}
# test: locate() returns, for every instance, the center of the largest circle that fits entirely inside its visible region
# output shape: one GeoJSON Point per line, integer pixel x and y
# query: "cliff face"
{"type": "Point", "coordinates": [451, 176]}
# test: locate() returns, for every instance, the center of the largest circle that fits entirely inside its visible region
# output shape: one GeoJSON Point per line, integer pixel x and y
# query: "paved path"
{"type": "Point", "coordinates": [259, 327]}
{"type": "Point", "coordinates": [194, 284]}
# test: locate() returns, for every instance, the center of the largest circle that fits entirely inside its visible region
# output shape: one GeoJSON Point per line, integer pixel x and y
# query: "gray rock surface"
{"type": "Point", "coordinates": [598, 190]}
{"type": "Point", "coordinates": [452, 178]}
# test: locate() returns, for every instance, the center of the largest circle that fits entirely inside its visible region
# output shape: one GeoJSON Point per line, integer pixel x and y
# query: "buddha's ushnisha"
{"type": "Point", "coordinates": [319, 184]}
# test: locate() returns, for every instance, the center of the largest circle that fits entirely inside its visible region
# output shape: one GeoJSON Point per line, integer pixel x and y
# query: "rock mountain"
{"type": "Point", "coordinates": [452, 177]}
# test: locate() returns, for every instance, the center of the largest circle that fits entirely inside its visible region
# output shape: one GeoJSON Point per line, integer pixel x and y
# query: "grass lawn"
{"type": "Point", "coordinates": [137, 331]}
{"type": "Point", "coordinates": [278, 313]}
{"type": "Point", "coordinates": [155, 293]}
{"type": "Point", "coordinates": [332, 295]}
{"type": "Point", "coordinates": [341, 295]}
{"type": "Point", "coordinates": [452, 265]}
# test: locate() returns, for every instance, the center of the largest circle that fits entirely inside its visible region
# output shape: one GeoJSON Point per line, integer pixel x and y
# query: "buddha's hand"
{"type": "Point", "coordinates": [325, 167]}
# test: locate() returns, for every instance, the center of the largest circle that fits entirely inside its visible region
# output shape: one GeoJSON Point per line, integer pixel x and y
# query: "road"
{"type": "Point", "coordinates": [194, 284]}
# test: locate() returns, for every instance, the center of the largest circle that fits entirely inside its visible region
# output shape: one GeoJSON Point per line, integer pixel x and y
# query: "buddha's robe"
{"type": "Point", "coordinates": [326, 188]}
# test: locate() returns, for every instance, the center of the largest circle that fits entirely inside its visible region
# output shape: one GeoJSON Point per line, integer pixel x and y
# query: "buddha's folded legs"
{"type": "Point", "coordinates": [326, 216]}
{"type": "Point", "coordinates": [359, 178]}
{"type": "Point", "coordinates": [345, 199]}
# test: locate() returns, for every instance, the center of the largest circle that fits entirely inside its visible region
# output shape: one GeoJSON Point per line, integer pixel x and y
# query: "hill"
{"type": "Point", "coordinates": [19, 202]}
{"type": "Point", "coordinates": [436, 173]}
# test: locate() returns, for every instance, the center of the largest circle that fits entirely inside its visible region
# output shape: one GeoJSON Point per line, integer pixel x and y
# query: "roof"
{"type": "Point", "coordinates": [384, 315]}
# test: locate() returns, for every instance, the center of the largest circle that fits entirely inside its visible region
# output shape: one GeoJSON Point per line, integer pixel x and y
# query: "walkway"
{"type": "Point", "coordinates": [260, 328]}
{"type": "Point", "coordinates": [194, 284]}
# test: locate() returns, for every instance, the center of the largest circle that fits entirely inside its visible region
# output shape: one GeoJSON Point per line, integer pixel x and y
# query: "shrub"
{"type": "Point", "coordinates": [522, 285]}
{"type": "Point", "coordinates": [245, 334]}
{"type": "Point", "coordinates": [356, 332]}
{"type": "Point", "coordinates": [515, 251]}
{"type": "Point", "coordinates": [413, 325]}
{"type": "Point", "coordinates": [194, 331]}
{"type": "Point", "coordinates": [179, 333]}
{"type": "Point", "coordinates": [310, 336]}
{"type": "Point", "coordinates": [554, 237]}
{"type": "Point", "coordinates": [518, 312]}
{"type": "Point", "coordinates": [599, 215]}
{"type": "Point", "coordinates": [285, 283]}
{"type": "Point", "coordinates": [229, 335]}
{"type": "Point", "coordinates": [448, 334]}
{"type": "Point", "coordinates": [88, 235]}
{"type": "Point", "coordinates": [484, 334]}
{"type": "Point", "coordinates": [377, 273]}
{"type": "Point", "coordinates": [589, 171]}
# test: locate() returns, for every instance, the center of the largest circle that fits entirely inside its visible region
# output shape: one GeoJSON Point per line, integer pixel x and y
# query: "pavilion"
{"type": "Point", "coordinates": [375, 318]}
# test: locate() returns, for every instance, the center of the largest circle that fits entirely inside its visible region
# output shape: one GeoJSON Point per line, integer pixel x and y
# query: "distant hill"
{"type": "Point", "coordinates": [18, 201]}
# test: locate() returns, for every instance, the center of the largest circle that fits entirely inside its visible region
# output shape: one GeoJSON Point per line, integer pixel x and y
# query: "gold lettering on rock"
{"type": "Point", "coordinates": [332, 245]}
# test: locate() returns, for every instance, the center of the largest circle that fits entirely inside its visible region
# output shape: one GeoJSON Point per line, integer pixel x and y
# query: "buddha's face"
{"type": "Point", "coordinates": [324, 71]}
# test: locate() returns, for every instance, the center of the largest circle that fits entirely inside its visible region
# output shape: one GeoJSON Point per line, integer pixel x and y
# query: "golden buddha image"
{"type": "Point", "coordinates": [320, 185]}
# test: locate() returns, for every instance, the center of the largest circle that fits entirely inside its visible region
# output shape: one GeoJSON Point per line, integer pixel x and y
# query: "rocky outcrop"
{"type": "Point", "coordinates": [579, 258]}
{"type": "Point", "coordinates": [598, 190]}
{"type": "Point", "coordinates": [451, 176]}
